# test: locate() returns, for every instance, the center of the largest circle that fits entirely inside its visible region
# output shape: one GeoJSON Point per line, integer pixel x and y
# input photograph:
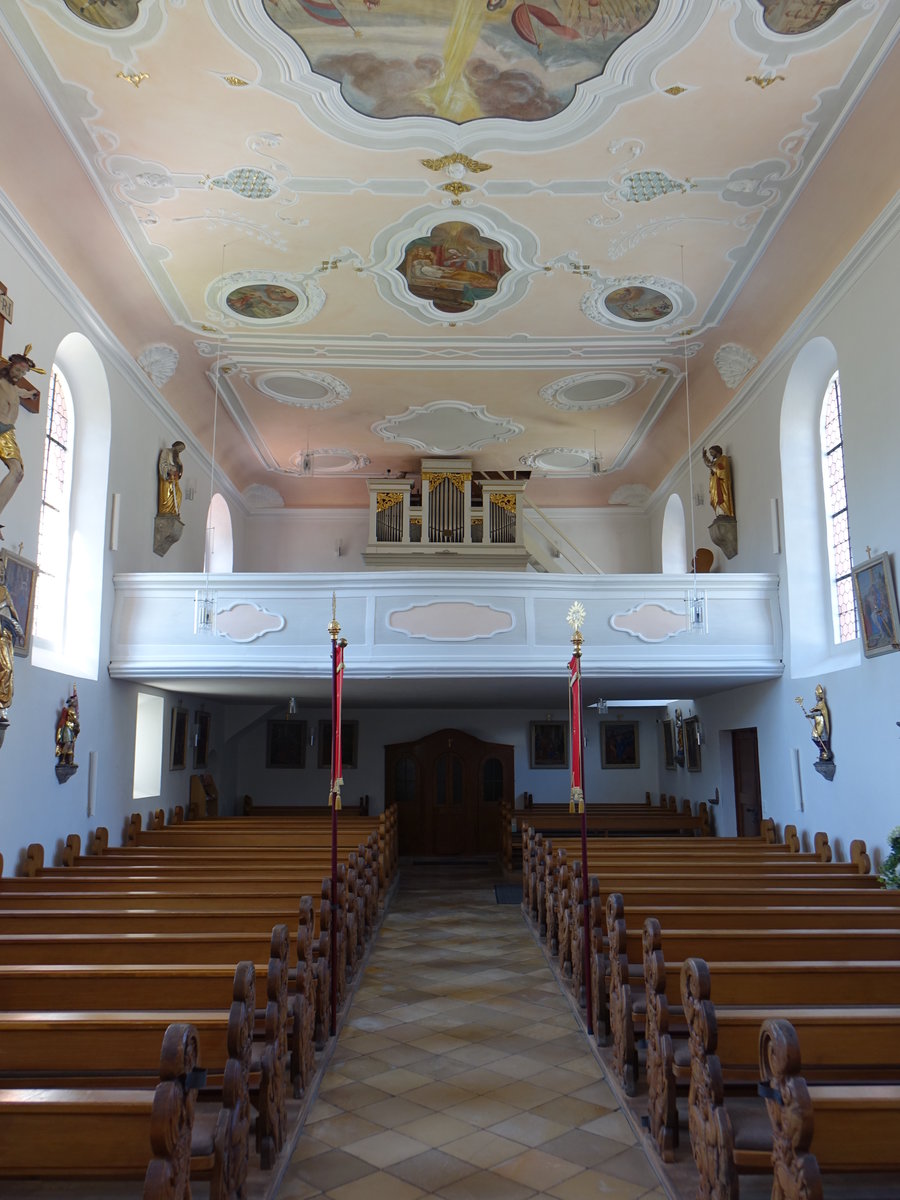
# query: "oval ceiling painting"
{"type": "Point", "coordinates": [453, 267]}
{"type": "Point", "coordinates": [106, 14]}
{"type": "Point", "coordinates": [262, 301]}
{"type": "Point", "coordinates": [639, 304]}
{"type": "Point", "coordinates": [459, 60]}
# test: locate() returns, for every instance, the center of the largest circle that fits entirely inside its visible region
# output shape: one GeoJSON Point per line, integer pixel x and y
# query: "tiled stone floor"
{"type": "Point", "coordinates": [461, 1071]}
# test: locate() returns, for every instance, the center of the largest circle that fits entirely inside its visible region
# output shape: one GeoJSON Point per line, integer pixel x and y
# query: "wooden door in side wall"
{"type": "Point", "coordinates": [448, 788]}
{"type": "Point", "coordinates": [747, 790]}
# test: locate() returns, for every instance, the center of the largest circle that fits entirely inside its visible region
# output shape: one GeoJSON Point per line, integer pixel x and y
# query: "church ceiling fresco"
{"type": "Point", "coordinates": [342, 211]}
{"type": "Point", "coordinates": [460, 60]}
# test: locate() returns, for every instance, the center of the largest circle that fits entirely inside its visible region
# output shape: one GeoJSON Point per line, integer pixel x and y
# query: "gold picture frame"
{"type": "Point", "coordinates": [20, 576]}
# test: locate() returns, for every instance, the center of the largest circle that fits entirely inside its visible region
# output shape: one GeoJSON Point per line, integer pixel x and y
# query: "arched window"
{"type": "Point", "coordinates": [218, 558]}
{"type": "Point", "coordinates": [837, 523]}
{"type": "Point", "coordinates": [71, 548]}
{"type": "Point", "coordinates": [812, 645]}
{"type": "Point", "coordinates": [53, 530]}
{"type": "Point", "coordinates": [674, 541]}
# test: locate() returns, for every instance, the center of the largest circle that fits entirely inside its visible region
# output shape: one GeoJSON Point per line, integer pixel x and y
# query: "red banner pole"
{"type": "Point", "coordinates": [576, 617]}
{"type": "Point", "coordinates": [334, 792]}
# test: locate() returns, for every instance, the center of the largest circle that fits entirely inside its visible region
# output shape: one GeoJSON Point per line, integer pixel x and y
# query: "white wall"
{"type": "Point", "coordinates": [34, 807]}
{"type": "Point", "coordinates": [378, 728]}
{"type": "Point", "coordinates": [862, 800]}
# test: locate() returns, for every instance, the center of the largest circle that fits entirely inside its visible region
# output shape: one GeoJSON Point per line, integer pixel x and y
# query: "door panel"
{"type": "Point", "coordinates": [448, 788]}
{"type": "Point", "coordinates": [747, 790]}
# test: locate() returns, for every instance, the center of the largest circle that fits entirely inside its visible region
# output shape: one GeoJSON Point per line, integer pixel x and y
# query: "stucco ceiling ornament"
{"type": "Point", "coordinates": [258, 495]}
{"type": "Point", "coordinates": [633, 495]}
{"type": "Point", "coordinates": [447, 427]}
{"type": "Point", "coordinates": [590, 390]}
{"type": "Point", "coordinates": [158, 363]}
{"type": "Point", "coordinates": [330, 461]}
{"type": "Point", "coordinates": [734, 363]}
{"type": "Point", "coordinates": [563, 460]}
{"type": "Point", "coordinates": [303, 389]}
{"type": "Point", "coordinates": [637, 301]}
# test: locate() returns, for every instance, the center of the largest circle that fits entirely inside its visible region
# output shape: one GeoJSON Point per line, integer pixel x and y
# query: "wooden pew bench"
{"type": "Point", "coordinates": [818, 1129]}
{"type": "Point", "coordinates": [858, 1122]}
{"type": "Point", "coordinates": [737, 985]}
{"type": "Point", "coordinates": [72, 1133]}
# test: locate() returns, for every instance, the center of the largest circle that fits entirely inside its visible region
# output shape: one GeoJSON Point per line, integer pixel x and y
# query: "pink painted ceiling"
{"type": "Point", "coordinates": [514, 226]}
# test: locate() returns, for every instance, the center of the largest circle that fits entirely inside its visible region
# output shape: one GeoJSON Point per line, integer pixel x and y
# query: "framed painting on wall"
{"type": "Point", "coordinates": [549, 744]}
{"type": "Point", "coordinates": [876, 606]}
{"type": "Point", "coordinates": [201, 738]}
{"type": "Point", "coordinates": [349, 743]}
{"type": "Point", "coordinates": [692, 743]}
{"type": "Point", "coordinates": [20, 577]}
{"type": "Point", "coordinates": [619, 746]}
{"type": "Point", "coordinates": [286, 744]}
{"type": "Point", "coordinates": [178, 736]}
{"type": "Point", "coordinates": [668, 728]}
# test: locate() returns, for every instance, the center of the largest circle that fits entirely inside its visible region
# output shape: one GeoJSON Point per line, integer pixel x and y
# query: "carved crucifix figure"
{"type": "Point", "coordinates": [15, 391]}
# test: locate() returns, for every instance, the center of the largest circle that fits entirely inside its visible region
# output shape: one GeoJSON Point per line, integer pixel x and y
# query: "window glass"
{"type": "Point", "coordinates": [840, 555]}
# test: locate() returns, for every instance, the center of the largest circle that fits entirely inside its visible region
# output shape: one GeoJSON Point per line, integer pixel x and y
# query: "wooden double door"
{"type": "Point", "coordinates": [448, 788]}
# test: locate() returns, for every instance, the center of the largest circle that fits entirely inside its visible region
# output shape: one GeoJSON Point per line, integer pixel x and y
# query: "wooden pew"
{"type": "Point", "coordinates": [816, 1129]}
{"type": "Point", "coordinates": [95, 1133]}
{"type": "Point", "coordinates": [845, 982]}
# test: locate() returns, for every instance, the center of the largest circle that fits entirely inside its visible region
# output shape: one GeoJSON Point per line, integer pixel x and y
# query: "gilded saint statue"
{"type": "Point", "coordinates": [68, 728]}
{"type": "Point", "coordinates": [15, 391]}
{"type": "Point", "coordinates": [170, 471]}
{"type": "Point", "coordinates": [820, 731]}
{"type": "Point", "coordinates": [721, 496]}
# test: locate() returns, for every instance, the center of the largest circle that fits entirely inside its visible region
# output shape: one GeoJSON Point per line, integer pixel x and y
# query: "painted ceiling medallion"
{"type": "Point", "coordinates": [158, 363]}
{"type": "Point", "coordinates": [327, 462]}
{"type": "Point", "coordinates": [447, 427]}
{"type": "Point", "coordinates": [303, 389]}
{"type": "Point", "coordinates": [582, 393]}
{"type": "Point", "coordinates": [559, 460]}
{"type": "Point", "coordinates": [734, 363]}
{"type": "Point", "coordinates": [639, 304]}
{"type": "Point", "coordinates": [458, 61]}
{"type": "Point", "coordinates": [798, 17]}
{"type": "Point", "coordinates": [454, 266]}
{"type": "Point", "coordinates": [105, 15]}
{"type": "Point", "coordinates": [636, 300]}
{"type": "Point", "coordinates": [256, 298]}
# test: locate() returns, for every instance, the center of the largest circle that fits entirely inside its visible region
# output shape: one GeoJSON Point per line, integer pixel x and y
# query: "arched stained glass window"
{"type": "Point", "coordinates": [840, 556]}
{"type": "Point", "coordinates": [53, 531]}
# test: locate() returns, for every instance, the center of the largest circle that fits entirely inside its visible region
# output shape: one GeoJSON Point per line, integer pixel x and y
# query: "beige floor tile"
{"type": "Point", "coordinates": [530, 1130]}
{"type": "Point", "coordinates": [632, 1165]}
{"type": "Point", "coordinates": [353, 1095]}
{"type": "Point", "coordinates": [570, 1111]}
{"type": "Point", "coordinates": [385, 1148]}
{"type": "Point", "coordinates": [376, 1186]}
{"type": "Point", "coordinates": [518, 1066]}
{"type": "Point", "coordinates": [295, 1189]}
{"type": "Point", "coordinates": [437, 1129]}
{"type": "Point", "coordinates": [614, 1125]}
{"type": "Point", "coordinates": [397, 1080]}
{"type": "Point", "coordinates": [521, 1096]}
{"type": "Point", "coordinates": [485, 1185]}
{"type": "Point", "coordinates": [592, 1185]}
{"type": "Point", "coordinates": [308, 1147]}
{"type": "Point", "coordinates": [432, 1170]}
{"type": "Point", "coordinates": [597, 1093]}
{"type": "Point", "coordinates": [586, 1149]}
{"type": "Point", "coordinates": [331, 1170]}
{"type": "Point", "coordinates": [440, 1094]}
{"type": "Point", "coordinates": [344, 1128]}
{"type": "Point", "coordinates": [483, 1110]}
{"type": "Point", "coordinates": [537, 1169]}
{"type": "Point", "coordinates": [392, 1111]}
{"type": "Point", "coordinates": [362, 1066]}
{"type": "Point", "coordinates": [483, 1149]}
{"type": "Point", "coordinates": [479, 1080]}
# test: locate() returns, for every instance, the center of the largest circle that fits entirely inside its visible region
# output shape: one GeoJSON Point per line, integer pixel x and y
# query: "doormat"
{"type": "Point", "coordinates": [508, 893]}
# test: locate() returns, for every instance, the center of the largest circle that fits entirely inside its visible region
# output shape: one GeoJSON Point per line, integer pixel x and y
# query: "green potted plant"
{"type": "Point", "coordinates": [890, 868]}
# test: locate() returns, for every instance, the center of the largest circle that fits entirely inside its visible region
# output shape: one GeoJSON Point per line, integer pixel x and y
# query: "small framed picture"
{"type": "Point", "coordinates": [178, 737]}
{"type": "Point", "coordinates": [619, 748]}
{"type": "Point", "coordinates": [349, 744]}
{"type": "Point", "coordinates": [549, 744]}
{"type": "Point", "coordinates": [692, 743]}
{"type": "Point", "coordinates": [668, 728]}
{"type": "Point", "coordinates": [286, 744]}
{"type": "Point", "coordinates": [201, 738]}
{"type": "Point", "coordinates": [20, 577]}
{"type": "Point", "coordinates": [876, 605]}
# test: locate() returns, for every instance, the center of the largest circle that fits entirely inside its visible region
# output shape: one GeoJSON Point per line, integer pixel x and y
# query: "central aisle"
{"type": "Point", "coordinates": [461, 1071]}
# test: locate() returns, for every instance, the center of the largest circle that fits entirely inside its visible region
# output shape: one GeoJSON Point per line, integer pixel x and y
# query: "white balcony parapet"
{"type": "Point", "coordinates": [452, 625]}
